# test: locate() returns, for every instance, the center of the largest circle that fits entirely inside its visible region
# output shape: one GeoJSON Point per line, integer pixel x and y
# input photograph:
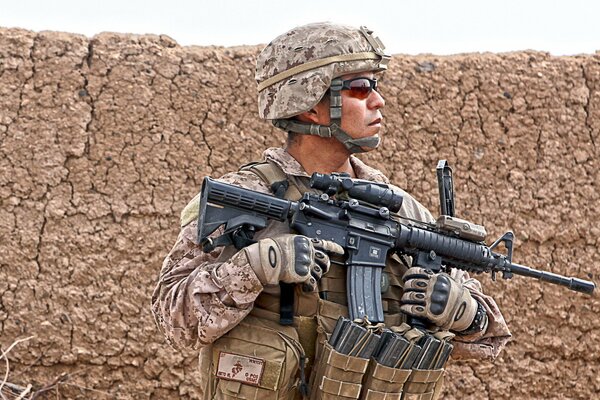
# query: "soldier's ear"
{"type": "Point", "coordinates": [311, 116]}
{"type": "Point", "coordinates": [319, 114]}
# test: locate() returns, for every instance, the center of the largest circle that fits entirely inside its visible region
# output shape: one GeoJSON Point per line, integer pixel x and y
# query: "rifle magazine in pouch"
{"type": "Point", "coordinates": [257, 360]}
{"type": "Point", "coordinates": [383, 383]}
{"type": "Point", "coordinates": [421, 384]}
{"type": "Point", "coordinates": [338, 376]}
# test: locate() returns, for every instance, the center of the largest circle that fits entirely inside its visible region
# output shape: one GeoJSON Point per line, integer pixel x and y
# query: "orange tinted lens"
{"type": "Point", "coordinates": [360, 88]}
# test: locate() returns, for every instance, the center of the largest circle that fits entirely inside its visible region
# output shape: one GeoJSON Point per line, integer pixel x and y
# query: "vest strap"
{"type": "Point", "coordinates": [280, 185]}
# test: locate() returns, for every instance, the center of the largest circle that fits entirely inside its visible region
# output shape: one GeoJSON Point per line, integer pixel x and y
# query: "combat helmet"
{"type": "Point", "coordinates": [297, 69]}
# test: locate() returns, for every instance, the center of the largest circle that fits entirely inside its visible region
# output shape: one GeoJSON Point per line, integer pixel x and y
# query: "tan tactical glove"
{"type": "Point", "coordinates": [291, 259]}
{"type": "Point", "coordinates": [437, 298]}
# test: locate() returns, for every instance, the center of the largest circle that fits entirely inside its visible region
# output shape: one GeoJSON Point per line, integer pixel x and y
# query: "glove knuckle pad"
{"type": "Point", "coordinates": [413, 298]}
{"type": "Point", "coordinates": [440, 295]}
{"type": "Point", "coordinates": [417, 273]}
{"type": "Point", "coordinates": [310, 285]}
{"type": "Point", "coordinates": [322, 259]}
{"type": "Point", "coordinates": [301, 243]}
{"type": "Point", "coordinates": [316, 272]}
{"type": "Point", "coordinates": [302, 264]}
{"type": "Point", "coordinates": [415, 285]}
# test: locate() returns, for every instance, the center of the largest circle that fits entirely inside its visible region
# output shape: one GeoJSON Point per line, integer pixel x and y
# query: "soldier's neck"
{"type": "Point", "coordinates": [323, 156]}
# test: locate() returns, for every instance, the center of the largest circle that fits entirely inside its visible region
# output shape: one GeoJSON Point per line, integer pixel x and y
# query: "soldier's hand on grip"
{"type": "Point", "coordinates": [291, 259]}
{"type": "Point", "coordinates": [437, 298]}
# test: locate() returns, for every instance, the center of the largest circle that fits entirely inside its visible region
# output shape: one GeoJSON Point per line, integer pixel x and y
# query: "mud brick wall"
{"type": "Point", "coordinates": [104, 140]}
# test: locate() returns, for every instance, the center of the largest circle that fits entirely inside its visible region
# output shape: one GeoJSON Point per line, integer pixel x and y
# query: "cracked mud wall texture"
{"type": "Point", "coordinates": [104, 140]}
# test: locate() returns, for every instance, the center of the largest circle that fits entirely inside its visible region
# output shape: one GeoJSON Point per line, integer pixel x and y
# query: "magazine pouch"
{"type": "Point", "coordinates": [421, 384]}
{"type": "Point", "coordinates": [338, 376]}
{"type": "Point", "coordinates": [383, 383]}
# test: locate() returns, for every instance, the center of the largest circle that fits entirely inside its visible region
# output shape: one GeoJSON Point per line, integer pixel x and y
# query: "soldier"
{"type": "Point", "coordinates": [319, 84]}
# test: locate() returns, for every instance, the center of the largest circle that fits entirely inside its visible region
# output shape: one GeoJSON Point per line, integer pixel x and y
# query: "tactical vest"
{"type": "Point", "coordinates": [276, 361]}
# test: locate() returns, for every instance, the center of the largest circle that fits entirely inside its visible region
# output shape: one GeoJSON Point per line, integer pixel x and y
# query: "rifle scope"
{"type": "Point", "coordinates": [376, 194]}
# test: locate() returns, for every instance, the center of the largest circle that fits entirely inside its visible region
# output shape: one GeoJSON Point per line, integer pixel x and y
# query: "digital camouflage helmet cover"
{"type": "Point", "coordinates": [297, 69]}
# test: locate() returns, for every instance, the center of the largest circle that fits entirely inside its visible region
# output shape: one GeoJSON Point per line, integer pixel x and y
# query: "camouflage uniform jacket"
{"type": "Point", "coordinates": [200, 297]}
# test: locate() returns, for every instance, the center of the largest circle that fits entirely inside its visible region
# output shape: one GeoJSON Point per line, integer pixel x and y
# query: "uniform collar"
{"type": "Point", "coordinates": [290, 166]}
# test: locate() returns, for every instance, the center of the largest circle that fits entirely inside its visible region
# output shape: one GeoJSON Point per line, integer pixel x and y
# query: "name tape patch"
{"type": "Point", "coordinates": [240, 368]}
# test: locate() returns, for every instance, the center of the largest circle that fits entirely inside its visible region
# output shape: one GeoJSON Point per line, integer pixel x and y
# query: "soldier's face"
{"type": "Point", "coordinates": [361, 117]}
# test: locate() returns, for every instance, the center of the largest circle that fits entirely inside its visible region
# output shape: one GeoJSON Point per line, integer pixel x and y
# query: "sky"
{"type": "Point", "coordinates": [564, 27]}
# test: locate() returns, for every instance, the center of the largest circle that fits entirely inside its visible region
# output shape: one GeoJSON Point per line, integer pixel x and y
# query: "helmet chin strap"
{"type": "Point", "coordinates": [334, 128]}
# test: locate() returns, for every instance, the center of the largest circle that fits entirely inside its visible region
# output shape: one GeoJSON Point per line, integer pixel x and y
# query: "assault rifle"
{"type": "Point", "coordinates": [361, 217]}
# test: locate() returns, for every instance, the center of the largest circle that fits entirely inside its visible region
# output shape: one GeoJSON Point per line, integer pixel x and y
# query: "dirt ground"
{"type": "Point", "coordinates": [104, 140]}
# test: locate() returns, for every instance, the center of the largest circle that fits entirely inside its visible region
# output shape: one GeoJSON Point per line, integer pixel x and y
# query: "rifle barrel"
{"type": "Point", "coordinates": [576, 284]}
{"type": "Point", "coordinates": [464, 254]}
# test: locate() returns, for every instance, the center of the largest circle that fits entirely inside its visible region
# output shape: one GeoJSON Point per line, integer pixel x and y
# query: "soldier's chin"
{"type": "Point", "coordinates": [366, 149]}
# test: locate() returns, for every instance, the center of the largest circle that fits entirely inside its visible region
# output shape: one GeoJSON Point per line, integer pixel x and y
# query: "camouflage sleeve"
{"type": "Point", "coordinates": [486, 344]}
{"type": "Point", "coordinates": [199, 297]}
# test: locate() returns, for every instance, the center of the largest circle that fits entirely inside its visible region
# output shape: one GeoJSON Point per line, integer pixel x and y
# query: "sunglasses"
{"type": "Point", "coordinates": [360, 87]}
